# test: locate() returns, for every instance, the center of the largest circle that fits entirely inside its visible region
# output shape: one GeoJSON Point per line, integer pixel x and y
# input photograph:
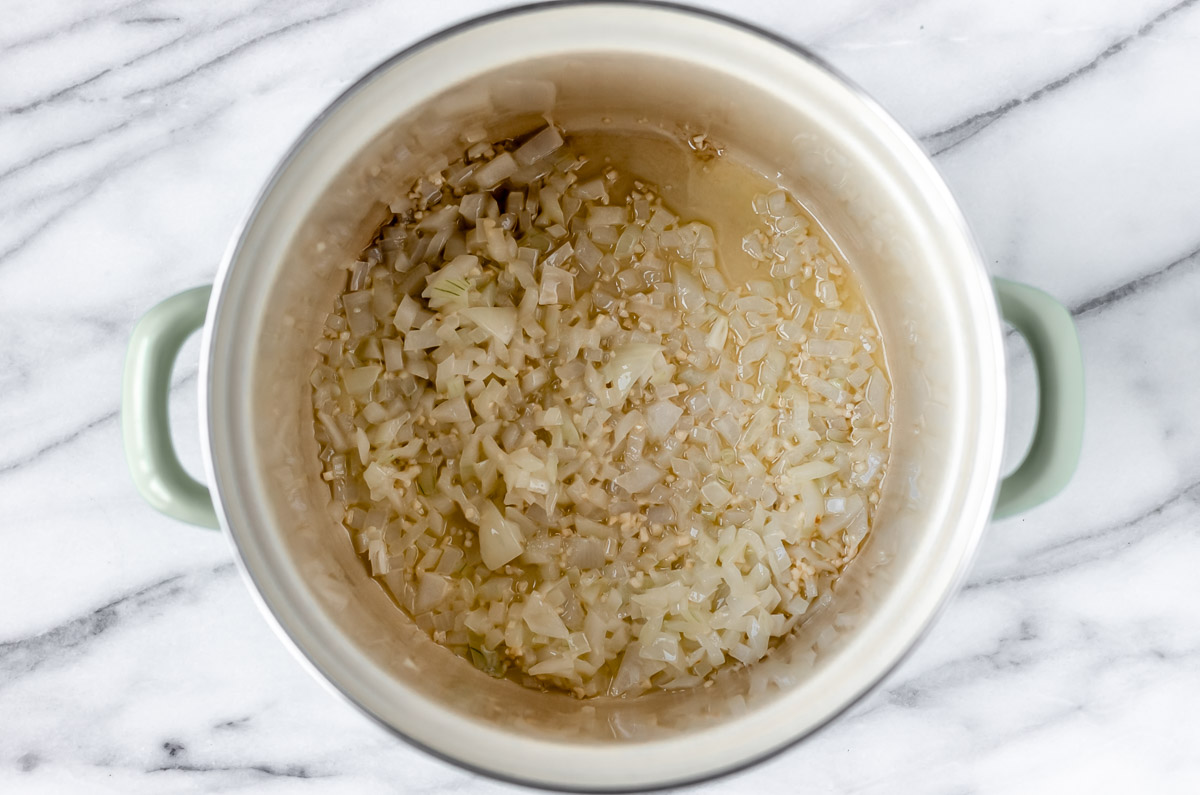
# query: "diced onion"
{"type": "Point", "coordinates": [574, 451]}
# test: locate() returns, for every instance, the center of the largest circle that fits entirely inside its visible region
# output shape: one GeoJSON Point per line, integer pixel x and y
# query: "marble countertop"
{"type": "Point", "coordinates": [134, 134]}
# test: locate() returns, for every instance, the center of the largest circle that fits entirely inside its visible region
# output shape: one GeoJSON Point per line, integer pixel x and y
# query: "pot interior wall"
{"type": "Point", "coordinates": [323, 210]}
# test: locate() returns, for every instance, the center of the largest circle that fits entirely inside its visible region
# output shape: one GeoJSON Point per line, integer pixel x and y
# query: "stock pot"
{"type": "Point", "coordinates": [791, 117]}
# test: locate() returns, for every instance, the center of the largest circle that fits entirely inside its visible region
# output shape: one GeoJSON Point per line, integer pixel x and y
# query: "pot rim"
{"type": "Point", "coordinates": [207, 425]}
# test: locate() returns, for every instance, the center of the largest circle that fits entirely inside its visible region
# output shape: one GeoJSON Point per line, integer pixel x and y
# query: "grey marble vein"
{"type": "Point", "coordinates": [68, 91]}
{"type": "Point", "coordinates": [947, 138]}
{"type": "Point", "coordinates": [81, 21]}
{"type": "Point", "coordinates": [148, 20]}
{"type": "Point", "coordinates": [74, 145]}
{"type": "Point", "coordinates": [89, 183]}
{"type": "Point", "coordinates": [1099, 543]}
{"type": "Point", "coordinates": [23, 656]}
{"type": "Point", "coordinates": [26, 459]}
{"type": "Point", "coordinates": [270, 771]}
{"type": "Point", "coordinates": [232, 52]}
{"type": "Point", "coordinates": [1184, 264]}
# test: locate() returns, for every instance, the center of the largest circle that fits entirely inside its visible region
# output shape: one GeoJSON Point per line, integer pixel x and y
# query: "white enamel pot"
{"type": "Point", "coordinates": [849, 162]}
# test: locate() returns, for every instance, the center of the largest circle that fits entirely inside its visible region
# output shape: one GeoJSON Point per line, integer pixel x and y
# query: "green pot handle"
{"type": "Point", "coordinates": [1047, 326]}
{"type": "Point", "coordinates": [155, 466]}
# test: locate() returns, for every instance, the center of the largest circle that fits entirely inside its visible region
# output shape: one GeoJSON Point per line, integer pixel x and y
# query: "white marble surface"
{"type": "Point", "coordinates": [134, 133]}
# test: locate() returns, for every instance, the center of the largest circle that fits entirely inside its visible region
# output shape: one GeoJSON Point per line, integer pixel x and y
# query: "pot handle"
{"type": "Point", "coordinates": [155, 466]}
{"type": "Point", "coordinates": [1058, 436]}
